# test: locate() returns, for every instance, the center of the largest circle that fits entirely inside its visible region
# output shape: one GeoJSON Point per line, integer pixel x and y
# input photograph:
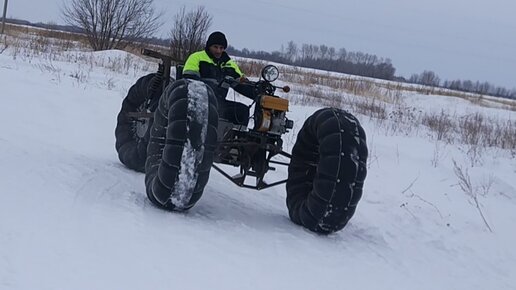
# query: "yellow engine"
{"type": "Point", "coordinates": [272, 115]}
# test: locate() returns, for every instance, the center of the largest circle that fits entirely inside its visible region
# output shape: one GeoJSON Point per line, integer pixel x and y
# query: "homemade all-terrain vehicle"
{"type": "Point", "coordinates": [171, 130]}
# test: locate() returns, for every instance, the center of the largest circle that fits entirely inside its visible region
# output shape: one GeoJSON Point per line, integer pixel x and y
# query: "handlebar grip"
{"type": "Point", "coordinates": [146, 51]}
{"type": "Point", "coordinates": [152, 53]}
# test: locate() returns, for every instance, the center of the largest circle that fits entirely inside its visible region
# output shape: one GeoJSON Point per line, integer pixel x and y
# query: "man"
{"type": "Point", "coordinates": [213, 63]}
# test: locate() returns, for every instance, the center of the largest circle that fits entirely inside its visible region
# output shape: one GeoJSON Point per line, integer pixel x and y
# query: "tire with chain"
{"type": "Point", "coordinates": [183, 137]}
{"type": "Point", "coordinates": [327, 171]}
{"type": "Point", "coordinates": [132, 133]}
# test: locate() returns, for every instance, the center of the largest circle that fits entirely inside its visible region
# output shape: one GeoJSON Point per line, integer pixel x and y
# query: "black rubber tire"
{"type": "Point", "coordinates": [182, 143]}
{"type": "Point", "coordinates": [327, 171]}
{"type": "Point", "coordinates": [131, 145]}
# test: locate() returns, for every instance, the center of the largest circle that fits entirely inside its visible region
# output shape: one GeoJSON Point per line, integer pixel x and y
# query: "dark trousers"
{"type": "Point", "coordinates": [235, 112]}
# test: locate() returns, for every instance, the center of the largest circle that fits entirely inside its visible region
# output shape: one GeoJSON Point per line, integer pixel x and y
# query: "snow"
{"type": "Point", "coordinates": [192, 157]}
{"type": "Point", "coordinates": [73, 217]}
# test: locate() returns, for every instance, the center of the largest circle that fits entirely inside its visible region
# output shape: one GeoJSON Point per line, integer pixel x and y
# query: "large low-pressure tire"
{"type": "Point", "coordinates": [327, 171]}
{"type": "Point", "coordinates": [182, 143]}
{"type": "Point", "coordinates": [132, 134]}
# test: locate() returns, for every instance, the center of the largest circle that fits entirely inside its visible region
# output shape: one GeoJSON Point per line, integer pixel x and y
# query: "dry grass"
{"type": "Point", "coordinates": [382, 100]}
{"type": "Point", "coordinates": [3, 44]}
{"type": "Point", "coordinates": [344, 84]}
{"type": "Point", "coordinates": [440, 124]}
{"type": "Point", "coordinates": [466, 185]}
{"type": "Point", "coordinates": [65, 40]}
{"type": "Point", "coordinates": [372, 108]}
{"type": "Point", "coordinates": [251, 68]}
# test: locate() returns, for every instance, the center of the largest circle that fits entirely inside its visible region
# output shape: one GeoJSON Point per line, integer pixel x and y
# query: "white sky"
{"type": "Point", "coordinates": [466, 39]}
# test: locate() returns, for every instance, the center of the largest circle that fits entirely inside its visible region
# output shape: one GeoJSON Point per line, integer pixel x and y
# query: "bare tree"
{"type": "Point", "coordinates": [291, 51]}
{"type": "Point", "coordinates": [343, 54]}
{"type": "Point", "coordinates": [427, 77]}
{"type": "Point", "coordinates": [323, 49]}
{"type": "Point", "coordinates": [112, 24]}
{"type": "Point", "coordinates": [430, 78]}
{"type": "Point", "coordinates": [306, 51]}
{"type": "Point", "coordinates": [315, 51]}
{"type": "Point", "coordinates": [332, 53]}
{"type": "Point", "coordinates": [189, 32]}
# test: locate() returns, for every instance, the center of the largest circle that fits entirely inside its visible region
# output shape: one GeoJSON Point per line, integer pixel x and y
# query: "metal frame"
{"type": "Point", "coordinates": [239, 179]}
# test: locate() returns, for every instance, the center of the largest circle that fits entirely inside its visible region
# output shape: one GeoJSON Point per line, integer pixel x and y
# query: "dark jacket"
{"type": "Point", "coordinates": [202, 65]}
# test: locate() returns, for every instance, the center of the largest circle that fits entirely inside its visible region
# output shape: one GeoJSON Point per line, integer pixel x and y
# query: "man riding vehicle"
{"type": "Point", "coordinates": [214, 64]}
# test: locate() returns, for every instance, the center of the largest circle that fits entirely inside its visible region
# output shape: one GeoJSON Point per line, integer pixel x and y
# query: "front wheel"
{"type": "Point", "coordinates": [183, 137]}
{"type": "Point", "coordinates": [327, 171]}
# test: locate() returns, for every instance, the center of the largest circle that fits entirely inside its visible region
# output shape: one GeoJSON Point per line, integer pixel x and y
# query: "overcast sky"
{"type": "Point", "coordinates": [465, 39]}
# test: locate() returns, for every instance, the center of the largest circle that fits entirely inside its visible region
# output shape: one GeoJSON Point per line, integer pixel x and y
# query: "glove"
{"type": "Point", "coordinates": [243, 79]}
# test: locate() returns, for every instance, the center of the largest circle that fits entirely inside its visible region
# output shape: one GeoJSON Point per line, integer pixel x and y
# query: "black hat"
{"type": "Point", "coordinates": [217, 37]}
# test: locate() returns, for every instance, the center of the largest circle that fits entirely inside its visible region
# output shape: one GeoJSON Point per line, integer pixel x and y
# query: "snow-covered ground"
{"type": "Point", "coordinates": [73, 217]}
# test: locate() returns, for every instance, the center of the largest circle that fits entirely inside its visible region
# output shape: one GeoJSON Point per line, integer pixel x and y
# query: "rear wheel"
{"type": "Point", "coordinates": [327, 171]}
{"type": "Point", "coordinates": [183, 137]}
{"type": "Point", "coordinates": [132, 133]}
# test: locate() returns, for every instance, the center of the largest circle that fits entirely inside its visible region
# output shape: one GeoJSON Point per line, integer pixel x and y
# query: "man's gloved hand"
{"type": "Point", "coordinates": [243, 79]}
{"type": "Point", "coordinates": [227, 82]}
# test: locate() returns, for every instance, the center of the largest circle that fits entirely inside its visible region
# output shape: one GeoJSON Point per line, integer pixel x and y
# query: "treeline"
{"type": "Point", "coordinates": [325, 58]}
{"type": "Point", "coordinates": [51, 26]}
{"type": "Point", "coordinates": [430, 78]}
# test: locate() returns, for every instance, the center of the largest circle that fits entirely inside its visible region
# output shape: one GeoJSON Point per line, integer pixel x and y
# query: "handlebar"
{"type": "Point", "coordinates": [229, 81]}
{"type": "Point", "coordinates": [159, 55]}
